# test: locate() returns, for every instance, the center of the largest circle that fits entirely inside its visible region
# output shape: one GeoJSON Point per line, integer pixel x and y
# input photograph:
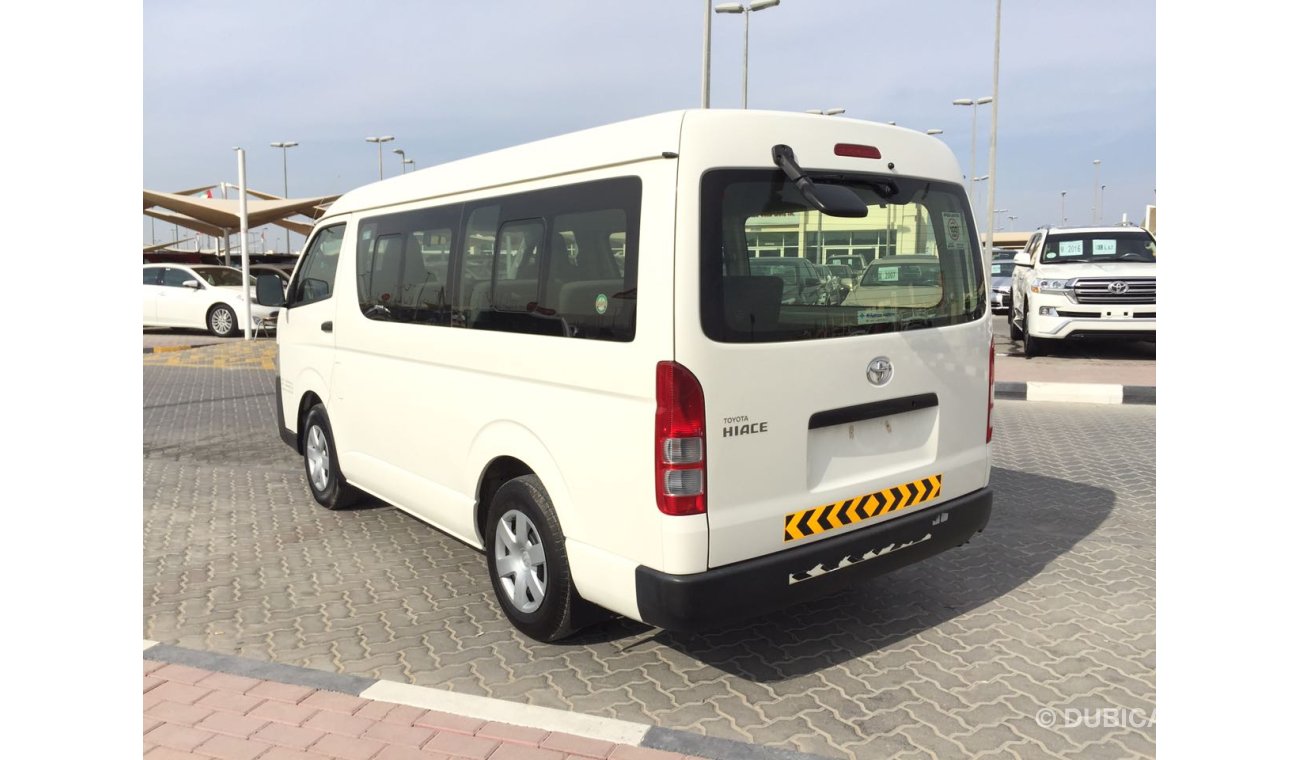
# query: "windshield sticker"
{"type": "Point", "coordinates": [1103, 248]}
{"type": "Point", "coordinates": [602, 303]}
{"type": "Point", "coordinates": [887, 274]}
{"type": "Point", "coordinates": [954, 227]}
{"type": "Point", "coordinates": [1071, 248]}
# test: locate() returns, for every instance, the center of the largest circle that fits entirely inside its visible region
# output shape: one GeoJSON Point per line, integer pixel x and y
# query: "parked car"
{"type": "Point", "coordinates": [831, 284]}
{"type": "Point", "coordinates": [280, 273]}
{"type": "Point", "coordinates": [205, 297]}
{"type": "Point", "coordinates": [848, 279]}
{"type": "Point", "coordinates": [1002, 267]}
{"type": "Point", "coordinates": [803, 284]}
{"type": "Point", "coordinates": [1089, 282]}
{"type": "Point", "coordinates": [899, 281]}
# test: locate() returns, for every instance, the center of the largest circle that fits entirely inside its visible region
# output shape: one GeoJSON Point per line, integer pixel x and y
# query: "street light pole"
{"type": "Point", "coordinates": [1062, 208]}
{"type": "Point", "coordinates": [284, 152]}
{"type": "Point", "coordinates": [708, 38]}
{"type": "Point", "coordinates": [993, 126]}
{"type": "Point", "coordinates": [1101, 205]}
{"type": "Point", "coordinates": [379, 143]}
{"type": "Point", "coordinates": [757, 5]}
{"type": "Point", "coordinates": [1096, 181]}
{"type": "Point", "coordinates": [974, 114]}
{"type": "Point", "coordinates": [401, 153]}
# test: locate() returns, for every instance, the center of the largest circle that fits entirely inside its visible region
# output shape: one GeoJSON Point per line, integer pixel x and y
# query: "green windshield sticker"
{"type": "Point", "coordinates": [1103, 248]}
{"type": "Point", "coordinates": [954, 229]}
{"type": "Point", "coordinates": [602, 303]}
{"type": "Point", "coordinates": [1071, 248]}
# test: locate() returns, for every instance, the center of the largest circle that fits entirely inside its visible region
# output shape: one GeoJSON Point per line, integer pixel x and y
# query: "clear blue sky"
{"type": "Point", "coordinates": [450, 79]}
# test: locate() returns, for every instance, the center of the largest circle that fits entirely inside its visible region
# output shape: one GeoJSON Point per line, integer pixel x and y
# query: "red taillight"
{"type": "Point", "coordinates": [857, 151]}
{"type": "Point", "coordinates": [989, 435]}
{"type": "Point", "coordinates": [679, 441]}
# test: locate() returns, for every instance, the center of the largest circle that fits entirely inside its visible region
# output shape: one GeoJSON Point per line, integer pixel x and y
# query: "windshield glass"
{"type": "Point", "coordinates": [1067, 248]}
{"type": "Point", "coordinates": [1003, 268]}
{"type": "Point", "coordinates": [921, 269]}
{"type": "Point", "coordinates": [221, 276]}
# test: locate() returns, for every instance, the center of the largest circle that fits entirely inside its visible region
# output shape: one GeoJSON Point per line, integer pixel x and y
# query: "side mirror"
{"type": "Point", "coordinates": [191, 284]}
{"type": "Point", "coordinates": [812, 281]}
{"type": "Point", "coordinates": [270, 291]}
{"type": "Point", "coordinates": [1022, 259]}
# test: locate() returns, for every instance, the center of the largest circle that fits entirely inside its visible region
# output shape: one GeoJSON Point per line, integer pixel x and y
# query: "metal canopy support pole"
{"type": "Point", "coordinates": [243, 247]}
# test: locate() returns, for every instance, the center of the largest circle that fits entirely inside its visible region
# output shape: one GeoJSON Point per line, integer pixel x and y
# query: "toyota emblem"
{"type": "Point", "coordinates": [1118, 287]}
{"type": "Point", "coordinates": [879, 371]}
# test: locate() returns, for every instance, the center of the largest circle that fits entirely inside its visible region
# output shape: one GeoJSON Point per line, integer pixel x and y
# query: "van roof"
{"type": "Point", "coordinates": [640, 139]}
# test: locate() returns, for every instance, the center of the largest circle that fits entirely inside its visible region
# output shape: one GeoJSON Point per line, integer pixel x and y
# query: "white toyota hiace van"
{"type": "Point", "coordinates": [558, 354]}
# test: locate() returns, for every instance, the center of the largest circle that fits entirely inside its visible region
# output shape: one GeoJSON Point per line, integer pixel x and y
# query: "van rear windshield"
{"type": "Point", "coordinates": [914, 259]}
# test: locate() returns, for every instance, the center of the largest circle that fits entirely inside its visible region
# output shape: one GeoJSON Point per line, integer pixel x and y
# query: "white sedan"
{"type": "Point", "coordinates": [205, 297]}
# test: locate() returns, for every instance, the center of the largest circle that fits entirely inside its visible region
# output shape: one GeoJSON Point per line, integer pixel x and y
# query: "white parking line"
{"type": "Point", "coordinates": [501, 711]}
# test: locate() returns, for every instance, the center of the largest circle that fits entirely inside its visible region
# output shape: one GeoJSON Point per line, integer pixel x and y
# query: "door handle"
{"type": "Point", "coordinates": [327, 327]}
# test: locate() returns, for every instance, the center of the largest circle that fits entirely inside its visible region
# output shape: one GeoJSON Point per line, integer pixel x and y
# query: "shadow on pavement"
{"type": "Point", "coordinates": [1035, 520]}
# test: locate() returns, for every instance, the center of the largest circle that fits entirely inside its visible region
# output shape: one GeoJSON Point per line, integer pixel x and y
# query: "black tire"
{"type": "Point", "coordinates": [1016, 333]}
{"type": "Point", "coordinates": [1033, 346]}
{"type": "Point", "coordinates": [321, 463]}
{"type": "Point", "coordinates": [550, 615]}
{"type": "Point", "coordinates": [222, 321]}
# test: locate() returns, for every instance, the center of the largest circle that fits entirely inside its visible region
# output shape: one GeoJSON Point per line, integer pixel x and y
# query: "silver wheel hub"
{"type": "Point", "coordinates": [222, 320]}
{"type": "Point", "coordinates": [520, 561]}
{"type": "Point", "coordinates": [318, 458]}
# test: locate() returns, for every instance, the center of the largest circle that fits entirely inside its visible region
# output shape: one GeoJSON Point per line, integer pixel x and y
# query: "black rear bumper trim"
{"type": "Point", "coordinates": [871, 411]}
{"type": "Point", "coordinates": [754, 587]}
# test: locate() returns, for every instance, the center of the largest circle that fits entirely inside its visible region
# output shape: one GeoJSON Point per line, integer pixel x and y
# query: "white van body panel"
{"type": "Point", "coordinates": [782, 384]}
{"type": "Point", "coordinates": [419, 412]}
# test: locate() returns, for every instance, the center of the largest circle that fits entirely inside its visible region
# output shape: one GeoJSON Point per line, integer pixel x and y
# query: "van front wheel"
{"type": "Point", "coordinates": [527, 562]}
{"type": "Point", "coordinates": [322, 464]}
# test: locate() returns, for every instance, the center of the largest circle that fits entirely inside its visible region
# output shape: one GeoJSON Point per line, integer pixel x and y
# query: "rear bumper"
{"type": "Point", "coordinates": [764, 584]}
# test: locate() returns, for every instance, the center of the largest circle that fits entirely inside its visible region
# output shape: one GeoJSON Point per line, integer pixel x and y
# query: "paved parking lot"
{"type": "Point", "coordinates": [1011, 646]}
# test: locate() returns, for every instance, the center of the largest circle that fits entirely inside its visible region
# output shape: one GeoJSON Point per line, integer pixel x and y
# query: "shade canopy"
{"type": "Point", "coordinates": [224, 214]}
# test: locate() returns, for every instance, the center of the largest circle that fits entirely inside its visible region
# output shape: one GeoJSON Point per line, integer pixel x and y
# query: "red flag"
{"type": "Point", "coordinates": [209, 193]}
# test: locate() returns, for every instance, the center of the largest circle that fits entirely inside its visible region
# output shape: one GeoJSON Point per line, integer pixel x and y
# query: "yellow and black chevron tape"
{"type": "Point", "coordinates": [810, 522]}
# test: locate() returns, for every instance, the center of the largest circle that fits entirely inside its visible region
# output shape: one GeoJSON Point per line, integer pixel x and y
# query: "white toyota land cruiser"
{"type": "Point", "coordinates": [1088, 282]}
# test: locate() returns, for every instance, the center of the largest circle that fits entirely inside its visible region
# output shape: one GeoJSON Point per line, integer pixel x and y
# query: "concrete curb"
{"type": "Point", "coordinates": [474, 706]}
{"type": "Point", "coordinates": [1088, 393]}
{"type": "Point", "coordinates": [166, 349]}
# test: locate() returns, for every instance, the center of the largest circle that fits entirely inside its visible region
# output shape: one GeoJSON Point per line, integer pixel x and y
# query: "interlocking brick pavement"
{"type": "Point", "coordinates": [1051, 608]}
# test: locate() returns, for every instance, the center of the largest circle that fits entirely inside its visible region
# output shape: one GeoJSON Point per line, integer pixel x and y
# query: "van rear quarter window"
{"type": "Point", "coordinates": [923, 265]}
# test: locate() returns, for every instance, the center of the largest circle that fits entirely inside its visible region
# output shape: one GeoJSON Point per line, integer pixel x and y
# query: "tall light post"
{"type": "Point", "coordinates": [406, 161]}
{"type": "Point", "coordinates": [379, 143]}
{"type": "Point", "coordinates": [401, 153]}
{"type": "Point", "coordinates": [975, 194]}
{"type": "Point", "coordinates": [933, 132]}
{"type": "Point", "coordinates": [284, 153]}
{"type": "Point", "coordinates": [704, 67]}
{"type": "Point", "coordinates": [997, 225]}
{"type": "Point", "coordinates": [1011, 220]}
{"type": "Point", "coordinates": [1062, 208]}
{"type": "Point", "coordinates": [993, 126]}
{"type": "Point", "coordinates": [755, 6]}
{"type": "Point", "coordinates": [1101, 205]}
{"type": "Point", "coordinates": [974, 113]}
{"type": "Point", "coordinates": [1096, 183]}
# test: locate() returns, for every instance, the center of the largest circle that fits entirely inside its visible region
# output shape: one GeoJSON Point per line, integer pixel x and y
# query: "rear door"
{"type": "Point", "coordinates": [825, 418]}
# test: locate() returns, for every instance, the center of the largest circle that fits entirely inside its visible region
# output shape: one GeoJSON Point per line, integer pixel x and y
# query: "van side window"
{"type": "Point", "coordinates": [403, 263]}
{"type": "Point", "coordinates": [314, 280]}
{"type": "Point", "coordinates": [563, 264]}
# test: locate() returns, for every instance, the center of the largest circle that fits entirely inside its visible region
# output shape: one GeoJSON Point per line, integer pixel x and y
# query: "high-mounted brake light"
{"type": "Point", "coordinates": [857, 151]}
{"type": "Point", "coordinates": [679, 441]}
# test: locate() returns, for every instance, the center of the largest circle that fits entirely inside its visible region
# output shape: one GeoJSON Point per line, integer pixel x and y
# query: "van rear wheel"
{"type": "Point", "coordinates": [527, 562]}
